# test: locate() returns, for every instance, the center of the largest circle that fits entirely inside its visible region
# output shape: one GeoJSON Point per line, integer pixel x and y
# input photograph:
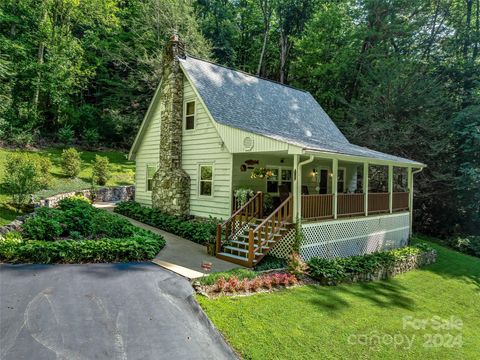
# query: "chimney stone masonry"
{"type": "Point", "coordinates": [171, 189]}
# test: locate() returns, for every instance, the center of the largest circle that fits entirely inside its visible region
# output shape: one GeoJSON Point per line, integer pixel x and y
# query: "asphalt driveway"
{"type": "Point", "coordinates": [102, 311]}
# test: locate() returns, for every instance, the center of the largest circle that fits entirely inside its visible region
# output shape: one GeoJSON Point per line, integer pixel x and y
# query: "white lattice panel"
{"type": "Point", "coordinates": [358, 236]}
{"type": "Point", "coordinates": [283, 248]}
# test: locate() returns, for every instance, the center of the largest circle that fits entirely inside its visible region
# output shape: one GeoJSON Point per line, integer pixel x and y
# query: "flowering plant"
{"type": "Point", "coordinates": [261, 173]}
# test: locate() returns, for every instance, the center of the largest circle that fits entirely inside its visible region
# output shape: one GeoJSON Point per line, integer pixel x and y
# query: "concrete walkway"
{"type": "Point", "coordinates": [180, 255]}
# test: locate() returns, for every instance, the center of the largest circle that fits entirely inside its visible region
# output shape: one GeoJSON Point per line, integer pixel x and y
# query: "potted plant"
{"type": "Point", "coordinates": [261, 173]}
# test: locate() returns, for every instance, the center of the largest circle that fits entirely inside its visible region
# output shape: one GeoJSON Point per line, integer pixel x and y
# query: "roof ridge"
{"type": "Point", "coordinates": [247, 74]}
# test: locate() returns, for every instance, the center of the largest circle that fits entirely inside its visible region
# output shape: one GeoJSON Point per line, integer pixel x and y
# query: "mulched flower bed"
{"type": "Point", "coordinates": [264, 282]}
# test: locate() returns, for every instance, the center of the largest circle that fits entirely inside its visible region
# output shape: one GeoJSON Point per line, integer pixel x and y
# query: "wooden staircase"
{"type": "Point", "coordinates": [245, 238]}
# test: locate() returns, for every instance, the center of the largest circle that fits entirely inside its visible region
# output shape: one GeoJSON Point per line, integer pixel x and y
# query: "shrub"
{"type": "Point", "coordinates": [296, 265]}
{"type": "Point", "coordinates": [270, 262]}
{"type": "Point", "coordinates": [201, 232]}
{"type": "Point", "coordinates": [25, 174]}
{"type": "Point", "coordinates": [136, 248]}
{"type": "Point", "coordinates": [240, 274]}
{"type": "Point", "coordinates": [44, 225]}
{"type": "Point", "coordinates": [233, 283]}
{"type": "Point", "coordinates": [333, 271]}
{"type": "Point", "coordinates": [66, 135]}
{"type": "Point", "coordinates": [71, 162]}
{"type": "Point", "coordinates": [100, 171]}
{"type": "Point", "coordinates": [467, 244]}
{"type": "Point", "coordinates": [91, 137]}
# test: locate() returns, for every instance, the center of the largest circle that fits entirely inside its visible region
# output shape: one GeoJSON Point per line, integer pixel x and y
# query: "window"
{"type": "Point", "coordinates": [190, 115]}
{"type": "Point", "coordinates": [206, 180]}
{"type": "Point", "coordinates": [151, 169]}
{"type": "Point", "coordinates": [341, 180]}
{"type": "Point", "coordinates": [281, 176]}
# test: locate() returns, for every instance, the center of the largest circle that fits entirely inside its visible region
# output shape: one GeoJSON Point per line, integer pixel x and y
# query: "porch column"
{"type": "Point", "coordinates": [365, 187]}
{"type": "Point", "coordinates": [335, 186]}
{"type": "Point", "coordinates": [410, 197]}
{"type": "Point", "coordinates": [295, 188]}
{"type": "Point", "coordinates": [390, 188]}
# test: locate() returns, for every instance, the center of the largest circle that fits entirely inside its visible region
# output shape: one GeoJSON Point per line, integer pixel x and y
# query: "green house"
{"type": "Point", "coordinates": [211, 130]}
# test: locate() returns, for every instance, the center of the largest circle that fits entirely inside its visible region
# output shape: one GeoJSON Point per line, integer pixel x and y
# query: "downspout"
{"type": "Point", "coordinates": [299, 185]}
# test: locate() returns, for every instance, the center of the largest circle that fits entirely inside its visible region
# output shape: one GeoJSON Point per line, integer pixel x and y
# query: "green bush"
{"type": "Point", "coordinates": [202, 232]}
{"type": "Point", "coordinates": [91, 137]}
{"type": "Point", "coordinates": [333, 271]}
{"type": "Point", "coordinates": [71, 162]}
{"type": "Point", "coordinates": [467, 244]}
{"type": "Point", "coordinates": [66, 135]}
{"type": "Point", "coordinates": [136, 248]}
{"type": "Point", "coordinates": [44, 225]}
{"type": "Point", "coordinates": [270, 262]}
{"type": "Point", "coordinates": [25, 173]}
{"type": "Point", "coordinates": [92, 235]}
{"type": "Point", "coordinates": [100, 172]}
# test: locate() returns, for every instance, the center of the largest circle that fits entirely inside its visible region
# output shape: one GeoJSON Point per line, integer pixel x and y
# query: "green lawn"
{"type": "Point", "coordinates": [123, 173]}
{"type": "Point", "coordinates": [314, 322]}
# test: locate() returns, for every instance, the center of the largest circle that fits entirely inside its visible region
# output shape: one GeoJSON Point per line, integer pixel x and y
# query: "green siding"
{"type": "Point", "coordinates": [148, 153]}
{"type": "Point", "coordinates": [203, 145]}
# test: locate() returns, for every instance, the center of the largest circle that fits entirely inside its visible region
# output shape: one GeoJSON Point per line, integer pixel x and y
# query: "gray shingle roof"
{"type": "Point", "coordinates": [271, 109]}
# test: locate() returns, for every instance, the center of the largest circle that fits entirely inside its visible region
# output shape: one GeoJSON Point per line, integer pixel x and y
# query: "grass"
{"type": "Point", "coordinates": [314, 322]}
{"type": "Point", "coordinates": [123, 173]}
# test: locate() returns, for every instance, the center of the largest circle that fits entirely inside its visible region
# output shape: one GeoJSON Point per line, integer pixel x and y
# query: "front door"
{"type": "Point", "coordinates": [323, 181]}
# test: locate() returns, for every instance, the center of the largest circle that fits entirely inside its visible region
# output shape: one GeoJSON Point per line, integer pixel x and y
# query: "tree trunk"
{"type": "Point", "coordinates": [267, 15]}
{"type": "Point", "coordinates": [284, 47]}
{"type": "Point", "coordinates": [477, 31]}
{"type": "Point", "coordinates": [36, 94]}
{"type": "Point", "coordinates": [262, 54]}
{"type": "Point", "coordinates": [466, 43]}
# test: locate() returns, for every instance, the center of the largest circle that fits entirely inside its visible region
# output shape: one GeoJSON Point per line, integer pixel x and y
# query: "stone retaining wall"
{"type": "Point", "coordinates": [119, 193]}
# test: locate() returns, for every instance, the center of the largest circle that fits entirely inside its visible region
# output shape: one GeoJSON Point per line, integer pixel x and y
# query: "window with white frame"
{"type": "Point", "coordinates": [205, 180]}
{"type": "Point", "coordinates": [341, 172]}
{"type": "Point", "coordinates": [190, 115]}
{"type": "Point", "coordinates": [281, 176]}
{"type": "Point", "coordinates": [151, 169]}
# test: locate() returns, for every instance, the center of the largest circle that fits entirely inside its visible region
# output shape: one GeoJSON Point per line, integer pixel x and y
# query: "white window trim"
{"type": "Point", "coordinates": [199, 179]}
{"type": "Point", "coordinates": [279, 168]}
{"type": "Point", "coordinates": [185, 114]}
{"type": "Point", "coordinates": [147, 165]}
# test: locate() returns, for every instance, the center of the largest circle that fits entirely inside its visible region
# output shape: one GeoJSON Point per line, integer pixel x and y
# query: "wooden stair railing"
{"type": "Point", "coordinates": [251, 210]}
{"type": "Point", "coordinates": [273, 224]}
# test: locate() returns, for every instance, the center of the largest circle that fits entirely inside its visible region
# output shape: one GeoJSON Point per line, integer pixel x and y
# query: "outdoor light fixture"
{"type": "Point", "coordinates": [314, 172]}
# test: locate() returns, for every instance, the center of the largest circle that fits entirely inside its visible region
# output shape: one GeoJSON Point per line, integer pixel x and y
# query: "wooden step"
{"type": "Point", "coordinates": [240, 260]}
{"type": "Point", "coordinates": [245, 243]}
{"type": "Point", "coordinates": [245, 236]}
{"type": "Point", "coordinates": [243, 251]}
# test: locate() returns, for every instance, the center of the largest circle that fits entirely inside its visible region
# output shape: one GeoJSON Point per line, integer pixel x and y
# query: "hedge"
{"type": "Point", "coordinates": [202, 232]}
{"type": "Point", "coordinates": [76, 232]}
{"type": "Point", "coordinates": [136, 248]}
{"type": "Point", "coordinates": [379, 265]}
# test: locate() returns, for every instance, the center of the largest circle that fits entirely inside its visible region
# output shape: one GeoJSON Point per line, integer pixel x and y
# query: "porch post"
{"type": "Point", "coordinates": [296, 198]}
{"type": "Point", "coordinates": [365, 187]}
{"type": "Point", "coordinates": [335, 186]}
{"type": "Point", "coordinates": [390, 188]}
{"type": "Point", "coordinates": [410, 197]}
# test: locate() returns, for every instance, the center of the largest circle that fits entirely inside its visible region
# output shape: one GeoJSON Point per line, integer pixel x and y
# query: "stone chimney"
{"type": "Point", "coordinates": [171, 189]}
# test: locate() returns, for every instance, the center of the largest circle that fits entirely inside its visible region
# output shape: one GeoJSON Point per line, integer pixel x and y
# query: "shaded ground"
{"type": "Point", "coordinates": [360, 321]}
{"type": "Point", "coordinates": [102, 311]}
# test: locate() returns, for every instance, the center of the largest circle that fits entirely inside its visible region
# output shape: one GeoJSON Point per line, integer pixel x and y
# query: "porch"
{"type": "Point", "coordinates": [366, 209]}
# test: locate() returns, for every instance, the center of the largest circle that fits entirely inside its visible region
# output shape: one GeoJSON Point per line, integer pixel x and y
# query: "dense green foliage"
{"type": "Point", "coordinates": [240, 274]}
{"type": "Point", "coordinates": [467, 244]}
{"type": "Point", "coordinates": [199, 231]}
{"type": "Point", "coordinates": [100, 170]}
{"type": "Point", "coordinates": [270, 262]}
{"type": "Point", "coordinates": [71, 162]}
{"type": "Point", "coordinates": [334, 271]}
{"type": "Point", "coordinates": [319, 322]}
{"type": "Point", "coordinates": [78, 232]}
{"type": "Point", "coordinates": [25, 174]}
{"type": "Point", "coordinates": [400, 76]}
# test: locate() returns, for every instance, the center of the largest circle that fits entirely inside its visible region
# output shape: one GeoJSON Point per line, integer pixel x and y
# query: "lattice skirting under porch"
{"type": "Point", "coordinates": [356, 236]}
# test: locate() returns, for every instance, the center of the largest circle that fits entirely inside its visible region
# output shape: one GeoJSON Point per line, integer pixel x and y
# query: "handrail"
{"type": "Point", "coordinates": [270, 226]}
{"type": "Point", "coordinates": [251, 209]}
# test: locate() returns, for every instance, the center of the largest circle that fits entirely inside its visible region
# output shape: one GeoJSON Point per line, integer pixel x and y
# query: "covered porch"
{"type": "Point", "coordinates": [362, 188]}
